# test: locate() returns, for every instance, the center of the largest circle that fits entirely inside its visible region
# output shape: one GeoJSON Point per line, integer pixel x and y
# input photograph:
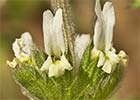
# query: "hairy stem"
{"type": "Point", "coordinates": [68, 27]}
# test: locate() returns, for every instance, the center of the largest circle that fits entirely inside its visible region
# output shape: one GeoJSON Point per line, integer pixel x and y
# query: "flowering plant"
{"type": "Point", "coordinates": [88, 70]}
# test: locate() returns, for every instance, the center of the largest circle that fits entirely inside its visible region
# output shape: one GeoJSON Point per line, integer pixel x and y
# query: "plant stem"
{"type": "Point", "coordinates": [68, 27]}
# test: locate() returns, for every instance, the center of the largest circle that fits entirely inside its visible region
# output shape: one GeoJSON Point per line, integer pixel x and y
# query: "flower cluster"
{"type": "Point", "coordinates": [102, 55]}
{"type": "Point", "coordinates": [54, 42]}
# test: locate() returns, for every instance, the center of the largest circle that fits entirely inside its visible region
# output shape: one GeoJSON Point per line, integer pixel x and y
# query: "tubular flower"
{"type": "Point", "coordinates": [103, 34]}
{"type": "Point", "coordinates": [54, 44]}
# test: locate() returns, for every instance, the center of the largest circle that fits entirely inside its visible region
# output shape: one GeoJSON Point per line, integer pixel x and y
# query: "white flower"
{"type": "Point", "coordinates": [80, 44]}
{"type": "Point", "coordinates": [22, 46]}
{"type": "Point", "coordinates": [56, 68]}
{"type": "Point", "coordinates": [103, 34]}
{"type": "Point", "coordinates": [54, 44]}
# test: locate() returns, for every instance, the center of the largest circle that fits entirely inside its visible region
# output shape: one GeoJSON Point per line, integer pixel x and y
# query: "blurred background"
{"type": "Point", "coordinates": [18, 16]}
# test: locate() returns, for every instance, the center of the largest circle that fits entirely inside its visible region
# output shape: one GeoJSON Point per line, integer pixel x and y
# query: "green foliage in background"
{"type": "Point", "coordinates": [135, 4]}
{"type": "Point", "coordinates": [19, 10]}
{"type": "Point", "coordinates": [5, 44]}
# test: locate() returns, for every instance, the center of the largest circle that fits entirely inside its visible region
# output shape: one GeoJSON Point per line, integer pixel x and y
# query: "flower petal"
{"type": "Point", "coordinates": [27, 38]}
{"type": "Point", "coordinates": [81, 42]}
{"type": "Point", "coordinates": [112, 56]}
{"type": "Point", "coordinates": [16, 48]}
{"type": "Point", "coordinates": [107, 67]}
{"type": "Point", "coordinates": [47, 64]}
{"type": "Point", "coordinates": [109, 22]}
{"type": "Point", "coordinates": [58, 67]}
{"type": "Point", "coordinates": [22, 46]}
{"type": "Point", "coordinates": [101, 59]}
{"type": "Point", "coordinates": [58, 38]}
{"type": "Point", "coordinates": [65, 63]}
{"type": "Point", "coordinates": [56, 70]}
{"type": "Point", "coordinates": [99, 34]}
{"type": "Point", "coordinates": [48, 30]}
{"type": "Point", "coordinates": [103, 32]}
{"type": "Point", "coordinates": [98, 10]}
{"type": "Point", "coordinates": [111, 62]}
{"type": "Point", "coordinates": [27, 42]}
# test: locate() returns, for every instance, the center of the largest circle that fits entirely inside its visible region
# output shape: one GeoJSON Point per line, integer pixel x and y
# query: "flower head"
{"type": "Point", "coordinates": [82, 57]}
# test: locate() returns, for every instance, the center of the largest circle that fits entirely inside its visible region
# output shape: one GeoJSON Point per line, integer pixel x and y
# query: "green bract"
{"type": "Point", "coordinates": [91, 70]}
